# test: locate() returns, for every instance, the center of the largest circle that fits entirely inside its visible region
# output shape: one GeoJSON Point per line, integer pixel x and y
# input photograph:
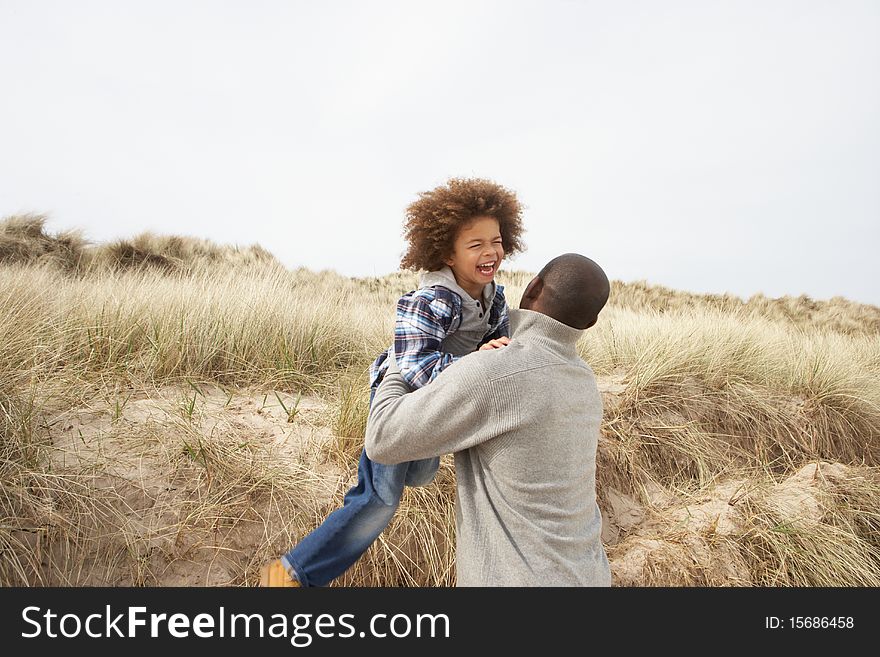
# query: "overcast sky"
{"type": "Point", "coordinates": [705, 146]}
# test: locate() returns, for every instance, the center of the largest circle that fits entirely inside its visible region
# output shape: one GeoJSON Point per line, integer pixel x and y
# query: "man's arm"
{"type": "Point", "coordinates": [454, 413]}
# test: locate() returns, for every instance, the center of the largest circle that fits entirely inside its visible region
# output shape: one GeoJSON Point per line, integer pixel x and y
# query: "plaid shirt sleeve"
{"type": "Point", "coordinates": [424, 318]}
{"type": "Point", "coordinates": [499, 317]}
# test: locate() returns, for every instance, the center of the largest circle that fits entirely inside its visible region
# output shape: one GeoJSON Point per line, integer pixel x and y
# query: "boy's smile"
{"type": "Point", "coordinates": [476, 254]}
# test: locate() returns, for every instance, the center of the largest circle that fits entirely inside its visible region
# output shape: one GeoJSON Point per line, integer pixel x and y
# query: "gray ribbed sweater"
{"type": "Point", "coordinates": [523, 422]}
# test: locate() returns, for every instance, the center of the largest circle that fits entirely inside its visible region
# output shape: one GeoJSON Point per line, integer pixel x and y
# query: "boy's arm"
{"type": "Point", "coordinates": [452, 414]}
{"type": "Point", "coordinates": [423, 321]}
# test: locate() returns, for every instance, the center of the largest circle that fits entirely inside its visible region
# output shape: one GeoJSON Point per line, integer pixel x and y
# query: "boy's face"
{"type": "Point", "coordinates": [476, 254]}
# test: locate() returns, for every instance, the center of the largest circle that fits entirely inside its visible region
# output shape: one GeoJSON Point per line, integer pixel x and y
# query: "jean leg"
{"type": "Point", "coordinates": [421, 472]}
{"type": "Point", "coordinates": [334, 546]}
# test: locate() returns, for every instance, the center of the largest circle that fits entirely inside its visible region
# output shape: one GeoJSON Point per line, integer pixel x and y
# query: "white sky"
{"type": "Point", "coordinates": [706, 146]}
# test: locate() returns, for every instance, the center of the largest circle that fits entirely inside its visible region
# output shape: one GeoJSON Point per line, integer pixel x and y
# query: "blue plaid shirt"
{"type": "Point", "coordinates": [424, 318]}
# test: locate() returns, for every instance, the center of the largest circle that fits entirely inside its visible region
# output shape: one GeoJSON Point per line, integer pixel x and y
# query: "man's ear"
{"type": "Point", "coordinates": [531, 293]}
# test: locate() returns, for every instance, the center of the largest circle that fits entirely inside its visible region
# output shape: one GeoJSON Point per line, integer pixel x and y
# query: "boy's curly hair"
{"type": "Point", "coordinates": [433, 221]}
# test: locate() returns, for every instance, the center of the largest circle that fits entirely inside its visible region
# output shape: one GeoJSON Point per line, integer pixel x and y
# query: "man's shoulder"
{"type": "Point", "coordinates": [520, 358]}
{"type": "Point", "coordinates": [515, 358]}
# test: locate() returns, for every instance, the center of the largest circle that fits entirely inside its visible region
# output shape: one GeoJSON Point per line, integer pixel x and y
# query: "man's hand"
{"type": "Point", "coordinates": [497, 343]}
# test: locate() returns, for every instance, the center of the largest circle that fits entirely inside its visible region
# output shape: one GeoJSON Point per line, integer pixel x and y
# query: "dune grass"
{"type": "Point", "coordinates": [716, 394]}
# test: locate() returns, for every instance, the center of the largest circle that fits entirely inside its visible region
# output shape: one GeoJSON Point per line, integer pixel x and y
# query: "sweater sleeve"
{"type": "Point", "coordinates": [405, 427]}
{"type": "Point", "coordinates": [424, 319]}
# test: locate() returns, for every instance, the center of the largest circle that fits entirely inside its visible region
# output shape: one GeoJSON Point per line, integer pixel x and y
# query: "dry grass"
{"type": "Point", "coordinates": [837, 314]}
{"type": "Point", "coordinates": [717, 412]}
{"type": "Point", "coordinates": [23, 239]}
{"type": "Point", "coordinates": [174, 253]}
{"type": "Point", "coordinates": [815, 527]}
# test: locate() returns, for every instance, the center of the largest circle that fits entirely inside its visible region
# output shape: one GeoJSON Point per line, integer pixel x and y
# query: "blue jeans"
{"type": "Point", "coordinates": [331, 548]}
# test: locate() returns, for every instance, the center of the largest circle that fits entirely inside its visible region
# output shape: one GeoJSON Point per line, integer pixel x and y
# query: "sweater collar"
{"type": "Point", "coordinates": [531, 326]}
{"type": "Point", "coordinates": [446, 278]}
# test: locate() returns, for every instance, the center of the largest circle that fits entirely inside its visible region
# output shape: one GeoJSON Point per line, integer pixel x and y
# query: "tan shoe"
{"type": "Point", "coordinates": [275, 574]}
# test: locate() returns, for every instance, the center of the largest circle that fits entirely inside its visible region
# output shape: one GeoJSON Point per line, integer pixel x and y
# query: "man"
{"type": "Point", "coordinates": [523, 422]}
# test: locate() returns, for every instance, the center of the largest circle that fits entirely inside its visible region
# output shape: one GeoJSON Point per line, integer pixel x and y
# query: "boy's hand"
{"type": "Point", "coordinates": [497, 343]}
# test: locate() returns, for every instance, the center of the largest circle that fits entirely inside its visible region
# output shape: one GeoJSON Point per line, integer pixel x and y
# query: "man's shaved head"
{"type": "Point", "coordinates": [571, 289]}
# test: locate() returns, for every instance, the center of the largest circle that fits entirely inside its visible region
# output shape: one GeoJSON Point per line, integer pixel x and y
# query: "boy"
{"type": "Point", "coordinates": [459, 233]}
